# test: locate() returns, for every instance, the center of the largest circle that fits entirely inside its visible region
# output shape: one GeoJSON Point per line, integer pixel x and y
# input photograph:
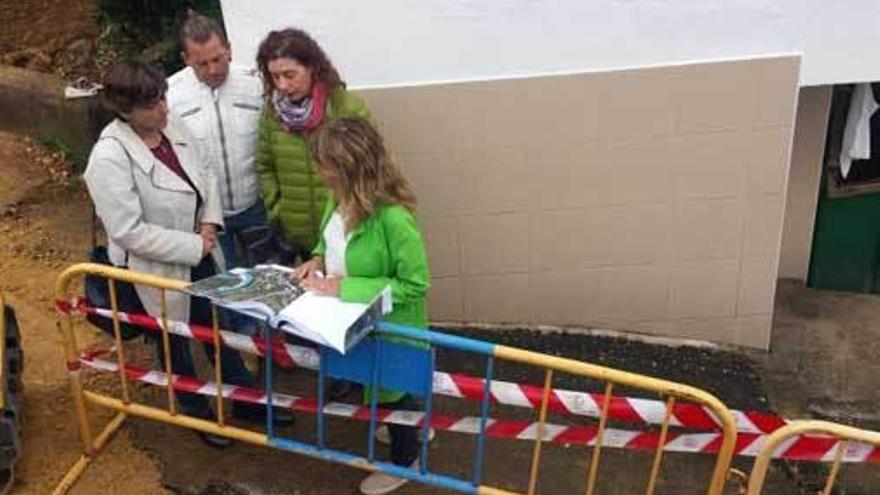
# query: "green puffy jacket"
{"type": "Point", "coordinates": [292, 190]}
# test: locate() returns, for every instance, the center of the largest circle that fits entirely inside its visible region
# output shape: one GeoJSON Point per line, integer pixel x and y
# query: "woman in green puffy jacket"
{"type": "Point", "coordinates": [302, 90]}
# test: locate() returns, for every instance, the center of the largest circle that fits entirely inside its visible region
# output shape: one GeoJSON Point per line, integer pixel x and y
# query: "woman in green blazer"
{"type": "Point", "coordinates": [370, 240]}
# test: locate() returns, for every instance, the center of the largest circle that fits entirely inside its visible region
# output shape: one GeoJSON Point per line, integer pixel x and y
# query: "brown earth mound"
{"type": "Point", "coordinates": [56, 36]}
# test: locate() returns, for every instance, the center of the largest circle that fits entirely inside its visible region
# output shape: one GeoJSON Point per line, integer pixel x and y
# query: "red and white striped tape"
{"type": "Point", "coordinates": [684, 415]}
{"type": "Point", "coordinates": [804, 448]}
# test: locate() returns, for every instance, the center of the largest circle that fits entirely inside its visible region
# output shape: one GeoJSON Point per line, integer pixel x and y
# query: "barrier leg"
{"type": "Point", "coordinates": [76, 386]}
{"type": "Point", "coordinates": [835, 468]}
{"type": "Point", "coordinates": [322, 373]}
{"type": "Point", "coordinates": [82, 416]}
{"type": "Point", "coordinates": [166, 351]}
{"type": "Point", "coordinates": [79, 467]}
{"type": "Point", "coordinates": [91, 446]}
{"type": "Point", "coordinates": [539, 435]}
{"type": "Point", "coordinates": [597, 448]}
{"type": "Point", "coordinates": [117, 333]}
{"type": "Point", "coordinates": [269, 385]}
{"type": "Point", "coordinates": [426, 422]}
{"type": "Point", "coordinates": [484, 416]}
{"type": "Point", "coordinates": [374, 403]}
{"type": "Point", "coordinates": [658, 455]}
{"type": "Point", "coordinates": [218, 367]}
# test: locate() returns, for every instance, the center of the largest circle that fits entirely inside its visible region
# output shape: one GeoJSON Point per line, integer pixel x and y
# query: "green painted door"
{"type": "Point", "coordinates": [846, 238]}
{"type": "Point", "coordinates": [846, 243]}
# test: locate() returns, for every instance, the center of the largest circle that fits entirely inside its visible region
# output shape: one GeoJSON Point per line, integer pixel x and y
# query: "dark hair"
{"type": "Point", "coordinates": [200, 28]}
{"type": "Point", "coordinates": [132, 83]}
{"type": "Point", "coordinates": [296, 44]}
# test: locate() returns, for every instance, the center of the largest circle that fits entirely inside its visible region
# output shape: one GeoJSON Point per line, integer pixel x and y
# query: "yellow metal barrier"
{"type": "Point", "coordinates": [808, 427]}
{"type": "Point", "coordinates": [610, 377]}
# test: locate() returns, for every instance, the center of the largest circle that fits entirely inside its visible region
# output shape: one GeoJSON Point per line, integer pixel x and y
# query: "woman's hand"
{"type": "Point", "coordinates": [310, 268]}
{"type": "Point", "coordinates": [208, 244]}
{"type": "Point", "coordinates": [208, 233]}
{"type": "Point", "coordinates": [325, 286]}
{"type": "Point", "coordinates": [208, 230]}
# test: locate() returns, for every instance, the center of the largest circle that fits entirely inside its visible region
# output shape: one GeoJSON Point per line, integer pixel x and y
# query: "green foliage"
{"type": "Point", "coordinates": [66, 153]}
{"type": "Point", "coordinates": [148, 29]}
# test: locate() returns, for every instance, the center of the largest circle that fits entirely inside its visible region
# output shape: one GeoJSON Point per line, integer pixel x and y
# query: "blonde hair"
{"type": "Point", "coordinates": [353, 150]}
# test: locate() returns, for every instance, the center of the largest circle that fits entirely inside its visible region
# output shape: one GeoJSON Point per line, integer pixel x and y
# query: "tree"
{"type": "Point", "coordinates": [148, 29]}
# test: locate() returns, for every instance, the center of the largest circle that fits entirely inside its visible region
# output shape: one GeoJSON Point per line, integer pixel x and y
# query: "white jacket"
{"type": "Point", "coordinates": [225, 122]}
{"type": "Point", "coordinates": [149, 212]}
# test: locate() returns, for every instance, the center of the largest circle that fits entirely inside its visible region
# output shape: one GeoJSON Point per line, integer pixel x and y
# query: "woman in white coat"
{"type": "Point", "coordinates": [161, 208]}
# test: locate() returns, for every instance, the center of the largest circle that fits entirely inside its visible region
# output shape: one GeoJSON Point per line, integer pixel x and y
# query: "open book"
{"type": "Point", "coordinates": [272, 293]}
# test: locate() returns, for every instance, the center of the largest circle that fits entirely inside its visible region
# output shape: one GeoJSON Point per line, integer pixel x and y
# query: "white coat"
{"type": "Point", "coordinates": [149, 212]}
{"type": "Point", "coordinates": [225, 122]}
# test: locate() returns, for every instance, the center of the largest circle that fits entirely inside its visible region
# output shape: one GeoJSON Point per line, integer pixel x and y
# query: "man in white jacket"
{"type": "Point", "coordinates": [220, 103]}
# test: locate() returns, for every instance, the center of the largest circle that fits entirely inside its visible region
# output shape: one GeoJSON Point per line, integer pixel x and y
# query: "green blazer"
{"type": "Point", "coordinates": [292, 190]}
{"type": "Point", "coordinates": [386, 249]}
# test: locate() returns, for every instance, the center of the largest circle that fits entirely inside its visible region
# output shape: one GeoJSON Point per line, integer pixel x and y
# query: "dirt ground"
{"type": "Point", "coordinates": [823, 359]}
{"type": "Point", "coordinates": [48, 35]}
{"type": "Point", "coordinates": [44, 225]}
{"type": "Point", "coordinates": [822, 364]}
{"type": "Point", "coordinates": [43, 228]}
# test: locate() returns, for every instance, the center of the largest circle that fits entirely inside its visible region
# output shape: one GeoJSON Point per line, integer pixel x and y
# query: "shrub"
{"type": "Point", "coordinates": [148, 29]}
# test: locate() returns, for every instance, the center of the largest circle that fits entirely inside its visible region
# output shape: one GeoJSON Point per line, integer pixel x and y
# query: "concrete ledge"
{"type": "Point", "coordinates": [33, 103]}
{"type": "Point", "coordinates": [590, 331]}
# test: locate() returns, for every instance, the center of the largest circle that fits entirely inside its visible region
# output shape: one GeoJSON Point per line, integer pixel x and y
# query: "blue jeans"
{"type": "Point", "coordinates": [247, 232]}
{"type": "Point", "coordinates": [232, 367]}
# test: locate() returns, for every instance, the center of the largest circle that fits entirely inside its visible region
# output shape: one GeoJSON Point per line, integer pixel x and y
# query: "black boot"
{"type": "Point", "coordinates": [339, 389]}
{"type": "Point", "coordinates": [216, 441]}
{"type": "Point", "coordinates": [256, 413]}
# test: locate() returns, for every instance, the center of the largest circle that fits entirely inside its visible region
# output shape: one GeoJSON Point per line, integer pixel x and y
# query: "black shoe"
{"type": "Point", "coordinates": [216, 441]}
{"type": "Point", "coordinates": [256, 413]}
{"type": "Point", "coordinates": [338, 389]}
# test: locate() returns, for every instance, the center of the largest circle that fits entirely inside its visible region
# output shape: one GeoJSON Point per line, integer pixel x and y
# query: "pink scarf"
{"type": "Point", "coordinates": [304, 115]}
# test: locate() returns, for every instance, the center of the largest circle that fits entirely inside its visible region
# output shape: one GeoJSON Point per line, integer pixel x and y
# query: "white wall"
{"type": "Point", "coordinates": [804, 179]}
{"type": "Point", "coordinates": [390, 42]}
{"type": "Point", "coordinates": [647, 200]}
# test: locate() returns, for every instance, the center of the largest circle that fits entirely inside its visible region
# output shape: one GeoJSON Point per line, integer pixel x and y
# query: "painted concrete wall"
{"type": "Point", "coordinates": [33, 103]}
{"type": "Point", "coordinates": [803, 181]}
{"type": "Point", "coordinates": [648, 200]}
{"type": "Point", "coordinates": [390, 42]}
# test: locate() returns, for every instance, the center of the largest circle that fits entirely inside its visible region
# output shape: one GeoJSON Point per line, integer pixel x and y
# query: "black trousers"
{"type": "Point", "coordinates": [233, 369]}
{"type": "Point", "coordinates": [404, 439]}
